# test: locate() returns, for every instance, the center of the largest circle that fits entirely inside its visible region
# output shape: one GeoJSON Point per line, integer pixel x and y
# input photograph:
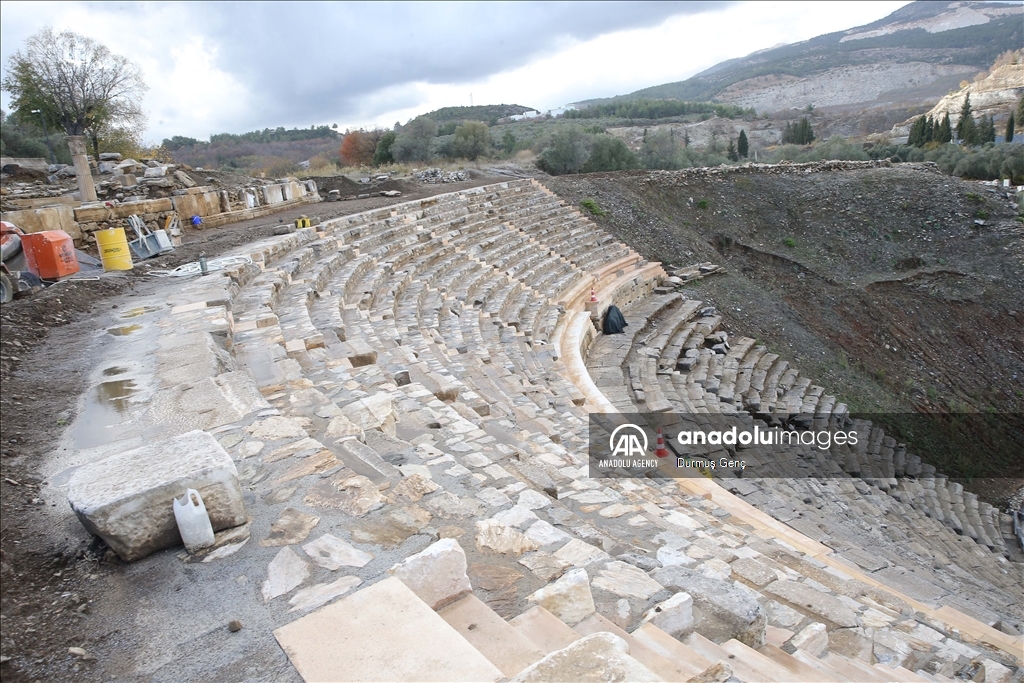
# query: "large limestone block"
{"type": "Point", "coordinates": [598, 657]}
{"type": "Point", "coordinates": [569, 598]}
{"type": "Point", "coordinates": [381, 633]}
{"type": "Point", "coordinates": [437, 574]}
{"type": "Point", "coordinates": [813, 602]}
{"type": "Point", "coordinates": [812, 639]}
{"type": "Point", "coordinates": [125, 499]}
{"type": "Point", "coordinates": [729, 610]}
{"type": "Point", "coordinates": [372, 412]}
{"type": "Point", "coordinates": [673, 616]}
{"type": "Point", "coordinates": [625, 580]}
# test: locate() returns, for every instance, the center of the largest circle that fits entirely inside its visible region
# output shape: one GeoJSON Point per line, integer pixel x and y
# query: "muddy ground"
{"type": "Point", "coordinates": [48, 582]}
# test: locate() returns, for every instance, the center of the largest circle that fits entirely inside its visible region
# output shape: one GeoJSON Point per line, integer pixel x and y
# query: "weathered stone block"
{"type": "Point", "coordinates": [372, 412]}
{"type": "Point", "coordinates": [597, 657]}
{"type": "Point", "coordinates": [126, 499]}
{"type": "Point", "coordinates": [673, 616]}
{"type": "Point", "coordinates": [569, 598]}
{"type": "Point", "coordinates": [437, 574]}
{"type": "Point", "coordinates": [813, 602]}
{"type": "Point", "coordinates": [729, 610]}
{"type": "Point", "coordinates": [812, 639]}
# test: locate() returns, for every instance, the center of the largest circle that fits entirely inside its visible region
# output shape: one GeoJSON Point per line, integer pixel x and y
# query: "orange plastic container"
{"type": "Point", "coordinates": [50, 254]}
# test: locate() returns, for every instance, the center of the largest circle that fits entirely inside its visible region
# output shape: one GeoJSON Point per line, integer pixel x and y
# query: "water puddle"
{"type": "Point", "coordinates": [106, 407]}
{"type": "Point", "coordinates": [139, 310]}
{"type": "Point", "coordinates": [123, 330]}
{"type": "Point", "coordinates": [116, 370]}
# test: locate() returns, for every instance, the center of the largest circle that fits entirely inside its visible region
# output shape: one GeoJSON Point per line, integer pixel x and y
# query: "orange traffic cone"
{"type": "Point", "coordinates": [659, 449]}
{"type": "Point", "coordinates": [593, 296]}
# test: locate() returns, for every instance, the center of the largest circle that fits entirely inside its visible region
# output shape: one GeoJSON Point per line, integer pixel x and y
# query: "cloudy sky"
{"type": "Point", "coordinates": [231, 67]}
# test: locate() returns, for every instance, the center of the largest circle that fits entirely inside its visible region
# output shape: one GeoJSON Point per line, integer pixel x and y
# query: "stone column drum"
{"type": "Point", "coordinates": [76, 143]}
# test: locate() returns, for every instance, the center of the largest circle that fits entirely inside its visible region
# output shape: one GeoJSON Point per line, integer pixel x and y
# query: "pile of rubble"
{"type": "Point", "coordinates": [436, 175]}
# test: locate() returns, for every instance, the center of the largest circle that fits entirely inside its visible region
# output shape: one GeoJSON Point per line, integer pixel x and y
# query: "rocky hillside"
{"type": "Point", "coordinates": [994, 95]}
{"type": "Point", "coordinates": [916, 54]}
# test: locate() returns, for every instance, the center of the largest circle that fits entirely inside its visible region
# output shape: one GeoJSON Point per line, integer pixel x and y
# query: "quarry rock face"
{"type": "Point", "coordinates": [125, 499]}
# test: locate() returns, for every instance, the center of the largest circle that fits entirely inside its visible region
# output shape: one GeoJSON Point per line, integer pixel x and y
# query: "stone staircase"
{"type": "Point", "coordinates": [405, 394]}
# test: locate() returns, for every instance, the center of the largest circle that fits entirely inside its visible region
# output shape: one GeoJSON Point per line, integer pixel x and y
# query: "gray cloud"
{"type": "Point", "coordinates": [318, 61]}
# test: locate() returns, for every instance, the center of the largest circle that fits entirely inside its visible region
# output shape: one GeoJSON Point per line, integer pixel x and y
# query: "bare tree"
{"type": "Point", "coordinates": [77, 83]}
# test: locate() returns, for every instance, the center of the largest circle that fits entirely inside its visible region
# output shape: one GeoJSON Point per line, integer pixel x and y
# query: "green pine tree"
{"type": "Point", "coordinates": [966, 128]}
{"type": "Point", "coordinates": [742, 145]}
{"type": "Point", "coordinates": [805, 134]}
{"type": "Point", "coordinates": [944, 133]}
{"type": "Point", "coordinates": [730, 152]}
{"type": "Point", "coordinates": [915, 137]}
{"type": "Point", "coordinates": [1009, 128]}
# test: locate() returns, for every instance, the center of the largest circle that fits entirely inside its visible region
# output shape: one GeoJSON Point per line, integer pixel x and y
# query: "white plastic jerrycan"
{"type": "Point", "coordinates": [193, 521]}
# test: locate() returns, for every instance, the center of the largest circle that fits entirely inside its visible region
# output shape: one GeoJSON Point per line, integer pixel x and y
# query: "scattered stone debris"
{"type": "Point", "coordinates": [436, 175]}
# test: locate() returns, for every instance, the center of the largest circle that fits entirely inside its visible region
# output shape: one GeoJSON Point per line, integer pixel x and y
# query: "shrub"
{"type": "Point", "coordinates": [789, 242]}
{"type": "Point", "coordinates": [472, 140]}
{"type": "Point", "coordinates": [593, 207]}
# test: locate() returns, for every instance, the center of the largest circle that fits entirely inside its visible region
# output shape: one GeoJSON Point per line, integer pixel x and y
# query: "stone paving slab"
{"type": "Point", "coordinates": [381, 633]}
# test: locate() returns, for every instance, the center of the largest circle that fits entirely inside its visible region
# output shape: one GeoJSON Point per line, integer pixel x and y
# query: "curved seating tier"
{"type": "Point", "coordinates": [876, 504]}
{"type": "Point", "coordinates": [456, 329]}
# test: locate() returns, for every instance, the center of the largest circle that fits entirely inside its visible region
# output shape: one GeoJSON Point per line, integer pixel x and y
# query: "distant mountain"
{"type": "Point", "coordinates": [916, 54]}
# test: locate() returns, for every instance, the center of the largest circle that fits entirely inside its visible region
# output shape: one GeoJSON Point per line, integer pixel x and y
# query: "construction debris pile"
{"type": "Point", "coordinates": [152, 190]}
{"type": "Point", "coordinates": [436, 175]}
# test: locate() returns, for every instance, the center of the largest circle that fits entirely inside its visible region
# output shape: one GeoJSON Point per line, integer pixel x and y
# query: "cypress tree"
{"type": "Point", "coordinates": [915, 138]}
{"type": "Point", "coordinates": [743, 146]}
{"type": "Point", "coordinates": [1009, 128]}
{"type": "Point", "coordinates": [806, 135]}
{"type": "Point", "coordinates": [1019, 116]}
{"type": "Point", "coordinates": [929, 132]}
{"type": "Point", "coordinates": [966, 129]}
{"type": "Point", "coordinates": [730, 153]}
{"type": "Point", "coordinates": [945, 131]}
{"type": "Point", "coordinates": [990, 130]}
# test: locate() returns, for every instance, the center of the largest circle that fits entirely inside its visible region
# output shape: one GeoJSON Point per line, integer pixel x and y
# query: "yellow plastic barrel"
{"type": "Point", "coordinates": [114, 252]}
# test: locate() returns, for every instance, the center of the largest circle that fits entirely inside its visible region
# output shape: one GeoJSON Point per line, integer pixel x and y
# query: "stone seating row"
{"type": "Point", "coordinates": [698, 388]}
{"type": "Point", "coordinates": [591, 519]}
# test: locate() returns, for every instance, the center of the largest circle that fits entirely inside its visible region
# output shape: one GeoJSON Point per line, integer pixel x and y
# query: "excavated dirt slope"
{"type": "Point", "coordinates": [899, 288]}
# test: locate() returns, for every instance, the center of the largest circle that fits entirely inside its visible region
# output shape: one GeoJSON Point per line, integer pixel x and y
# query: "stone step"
{"type": "Point", "coordinates": [671, 649]}
{"type": "Point", "coordinates": [544, 629]}
{"type": "Point", "coordinates": [854, 669]}
{"type": "Point", "coordinates": [818, 672]}
{"type": "Point", "coordinates": [745, 668]}
{"type": "Point", "coordinates": [905, 675]}
{"type": "Point", "coordinates": [769, 667]}
{"type": "Point", "coordinates": [668, 670]}
{"type": "Point", "coordinates": [598, 657]}
{"type": "Point", "coordinates": [492, 636]}
{"type": "Point", "coordinates": [827, 672]}
{"type": "Point", "coordinates": [381, 633]}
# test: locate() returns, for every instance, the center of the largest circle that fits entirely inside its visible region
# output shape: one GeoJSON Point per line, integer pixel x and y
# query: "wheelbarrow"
{"type": "Point", "coordinates": [148, 243]}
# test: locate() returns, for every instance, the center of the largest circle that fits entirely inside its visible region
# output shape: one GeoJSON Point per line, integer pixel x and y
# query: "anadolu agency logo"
{"type": "Point", "coordinates": [625, 442]}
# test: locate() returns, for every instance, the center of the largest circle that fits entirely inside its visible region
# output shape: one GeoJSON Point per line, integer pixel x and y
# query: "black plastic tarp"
{"type": "Point", "coordinates": [614, 323]}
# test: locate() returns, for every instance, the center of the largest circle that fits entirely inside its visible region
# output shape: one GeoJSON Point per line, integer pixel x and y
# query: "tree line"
{"type": "Point", "coordinates": [968, 130]}
{"type": "Point", "coordinates": [657, 109]}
